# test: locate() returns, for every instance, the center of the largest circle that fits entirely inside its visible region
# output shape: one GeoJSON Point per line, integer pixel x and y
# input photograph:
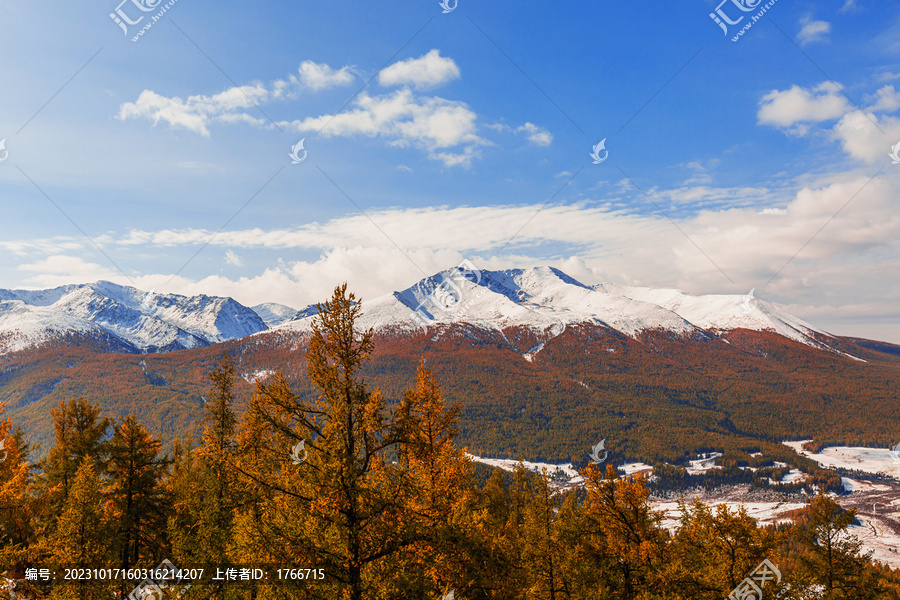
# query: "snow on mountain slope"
{"type": "Point", "coordinates": [274, 314]}
{"type": "Point", "coordinates": [722, 312]}
{"type": "Point", "coordinates": [547, 300]}
{"type": "Point", "coordinates": [145, 321]}
{"type": "Point", "coordinates": [542, 298]}
{"type": "Point", "coordinates": [22, 326]}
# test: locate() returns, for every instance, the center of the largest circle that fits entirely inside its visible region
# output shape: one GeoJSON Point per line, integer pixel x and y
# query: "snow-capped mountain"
{"type": "Point", "coordinates": [547, 300]}
{"type": "Point", "coordinates": [543, 300]}
{"type": "Point", "coordinates": [138, 321]}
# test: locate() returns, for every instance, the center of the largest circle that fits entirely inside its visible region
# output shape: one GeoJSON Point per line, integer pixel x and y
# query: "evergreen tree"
{"type": "Point", "coordinates": [625, 537]}
{"type": "Point", "coordinates": [81, 538]}
{"type": "Point", "coordinates": [138, 502]}
{"type": "Point", "coordinates": [832, 558]}
{"type": "Point", "coordinates": [542, 544]}
{"type": "Point", "coordinates": [713, 551]}
{"type": "Point", "coordinates": [16, 505]}
{"type": "Point", "coordinates": [326, 495]}
{"type": "Point", "coordinates": [80, 434]}
{"type": "Point", "coordinates": [205, 489]}
{"type": "Point", "coordinates": [440, 490]}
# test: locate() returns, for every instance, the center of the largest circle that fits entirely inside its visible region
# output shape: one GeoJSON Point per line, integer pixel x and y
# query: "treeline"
{"type": "Point", "coordinates": [382, 502]}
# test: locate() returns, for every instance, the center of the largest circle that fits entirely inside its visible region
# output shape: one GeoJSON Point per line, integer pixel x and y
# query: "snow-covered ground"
{"type": "Point", "coordinates": [703, 464]}
{"type": "Point", "coordinates": [868, 460]}
{"type": "Point", "coordinates": [638, 467]}
{"type": "Point", "coordinates": [766, 513]}
{"type": "Point", "coordinates": [793, 476]}
{"type": "Point", "coordinates": [561, 470]}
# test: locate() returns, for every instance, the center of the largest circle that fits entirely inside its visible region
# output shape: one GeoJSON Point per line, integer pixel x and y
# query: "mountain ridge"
{"type": "Point", "coordinates": [543, 299]}
{"type": "Point", "coordinates": [146, 321]}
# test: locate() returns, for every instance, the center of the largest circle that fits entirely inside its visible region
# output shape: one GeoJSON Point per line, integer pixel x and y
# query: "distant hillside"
{"type": "Point", "coordinates": [523, 393]}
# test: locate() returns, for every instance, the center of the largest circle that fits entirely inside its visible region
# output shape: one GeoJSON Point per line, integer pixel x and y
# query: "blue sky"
{"type": "Point", "coordinates": [431, 137]}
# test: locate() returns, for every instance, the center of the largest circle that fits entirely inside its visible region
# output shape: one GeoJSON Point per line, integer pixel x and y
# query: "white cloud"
{"type": "Point", "coordinates": [864, 135]}
{"type": "Point", "coordinates": [887, 99]}
{"type": "Point", "coordinates": [536, 135]}
{"type": "Point", "coordinates": [799, 105]}
{"type": "Point", "coordinates": [233, 259]}
{"type": "Point", "coordinates": [701, 171]}
{"type": "Point", "coordinates": [813, 31]}
{"type": "Point", "coordinates": [430, 123]}
{"type": "Point", "coordinates": [862, 139]}
{"type": "Point", "coordinates": [320, 76]}
{"type": "Point", "coordinates": [198, 112]}
{"type": "Point", "coordinates": [427, 71]}
{"type": "Point", "coordinates": [445, 129]}
{"type": "Point", "coordinates": [58, 269]}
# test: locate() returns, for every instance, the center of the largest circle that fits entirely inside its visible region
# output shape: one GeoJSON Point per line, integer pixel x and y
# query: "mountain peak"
{"type": "Point", "coordinates": [140, 321]}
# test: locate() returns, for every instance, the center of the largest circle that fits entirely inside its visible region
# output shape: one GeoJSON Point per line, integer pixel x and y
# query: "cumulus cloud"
{"type": "Point", "coordinates": [445, 129]}
{"type": "Point", "coordinates": [536, 135]}
{"type": "Point", "coordinates": [427, 71]}
{"type": "Point", "coordinates": [320, 76]}
{"type": "Point", "coordinates": [798, 105]}
{"type": "Point", "coordinates": [887, 99]}
{"type": "Point", "coordinates": [233, 259]}
{"type": "Point", "coordinates": [403, 118]}
{"type": "Point", "coordinates": [813, 31]}
{"type": "Point", "coordinates": [864, 134]}
{"type": "Point", "coordinates": [196, 113]}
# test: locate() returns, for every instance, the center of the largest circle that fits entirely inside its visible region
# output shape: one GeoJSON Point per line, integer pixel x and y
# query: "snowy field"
{"type": "Point", "coordinates": [766, 513]}
{"type": "Point", "coordinates": [868, 460]}
{"type": "Point", "coordinates": [562, 470]}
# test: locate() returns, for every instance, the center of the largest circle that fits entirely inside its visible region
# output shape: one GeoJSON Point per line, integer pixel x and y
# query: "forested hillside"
{"type": "Point", "coordinates": [656, 397]}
